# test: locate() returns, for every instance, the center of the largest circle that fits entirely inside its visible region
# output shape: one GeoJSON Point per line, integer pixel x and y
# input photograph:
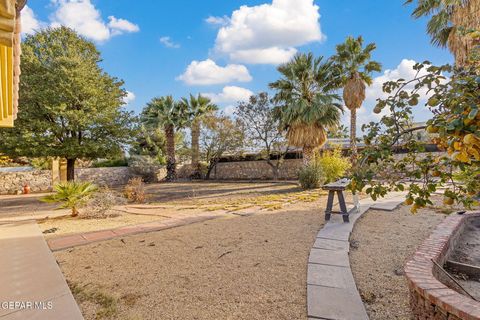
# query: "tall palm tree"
{"type": "Point", "coordinates": [198, 107]}
{"type": "Point", "coordinates": [353, 62]}
{"type": "Point", "coordinates": [170, 115]}
{"type": "Point", "coordinates": [307, 104]}
{"type": "Point", "coordinates": [449, 18]}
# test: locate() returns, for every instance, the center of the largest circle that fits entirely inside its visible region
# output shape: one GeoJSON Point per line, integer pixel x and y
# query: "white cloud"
{"type": "Point", "coordinates": [230, 94]}
{"type": "Point", "coordinates": [229, 110]}
{"type": "Point", "coordinates": [30, 23]}
{"type": "Point", "coordinates": [119, 26]}
{"type": "Point", "coordinates": [82, 16]}
{"type": "Point", "coordinates": [168, 42]}
{"type": "Point", "coordinates": [130, 97]}
{"type": "Point", "coordinates": [222, 21]}
{"type": "Point", "coordinates": [207, 72]}
{"type": "Point", "coordinates": [269, 33]}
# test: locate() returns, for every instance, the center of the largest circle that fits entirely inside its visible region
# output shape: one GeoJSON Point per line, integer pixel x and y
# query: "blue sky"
{"type": "Point", "coordinates": [152, 43]}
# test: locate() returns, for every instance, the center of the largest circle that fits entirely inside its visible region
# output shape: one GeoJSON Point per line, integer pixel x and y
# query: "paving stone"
{"type": "Point", "coordinates": [330, 244]}
{"type": "Point", "coordinates": [99, 235]}
{"type": "Point", "coordinates": [329, 257]}
{"type": "Point", "coordinates": [330, 276]}
{"type": "Point", "coordinates": [334, 303]}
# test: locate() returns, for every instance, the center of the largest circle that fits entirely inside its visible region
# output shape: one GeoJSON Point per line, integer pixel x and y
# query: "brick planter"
{"type": "Point", "coordinates": [430, 298]}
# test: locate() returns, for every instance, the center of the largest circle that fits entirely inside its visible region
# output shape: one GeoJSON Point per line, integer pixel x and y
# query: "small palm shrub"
{"type": "Point", "coordinates": [311, 176]}
{"type": "Point", "coordinates": [134, 191]}
{"type": "Point", "coordinates": [333, 164]}
{"type": "Point", "coordinates": [71, 195]}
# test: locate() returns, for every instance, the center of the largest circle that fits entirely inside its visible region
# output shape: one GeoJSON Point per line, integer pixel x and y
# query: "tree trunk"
{"type": "Point", "coordinates": [274, 169]}
{"type": "Point", "coordinates": [196, 174]}
{"type": "Point", "coordinates": [308, 153]}
{"type": "Point", "coordinates": [71, 169]}
{"type": "Point", "coordinates": [353, 135]}
{"type": "Point", "coordinates": [211, 165]}
{"type": "Point", "coordinates": [171, 163]}
{"type": "Point", "coordinates": [74, 212]}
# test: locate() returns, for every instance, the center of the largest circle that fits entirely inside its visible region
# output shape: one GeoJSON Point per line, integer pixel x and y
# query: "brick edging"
{"type": "Point", "coordinates": [430, 298]}
{"type": "Point", "coordinates": [80, 239]}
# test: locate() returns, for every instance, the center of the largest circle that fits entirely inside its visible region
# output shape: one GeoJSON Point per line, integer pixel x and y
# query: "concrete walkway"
{"type": "Point", "coordinates": [331, 289]}
{"type": "Point", "coordinates": [31, 283]}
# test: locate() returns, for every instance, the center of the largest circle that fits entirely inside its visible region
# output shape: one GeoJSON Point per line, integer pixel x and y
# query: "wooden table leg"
{"type": "Point", "coordinates": [328, 210]}
{"type": "Point", "coordinates": [343, 206]}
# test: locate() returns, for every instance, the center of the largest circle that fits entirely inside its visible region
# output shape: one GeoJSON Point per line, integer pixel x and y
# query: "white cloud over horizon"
{"type": "Point", "coordinates": [82, 16]}
{"type": "Point", "coordinates": [207, 72]}
{"type": "Point", "coordinates": [30, 23]}
{"type": "Point", "coordinates": [168, 42]}
{"type": "Point", "coordinates": [129, 98]}
{"type": "Point", "coordinates": [230, 94]}
{"type": "Point", "coordinates": [268, 33]}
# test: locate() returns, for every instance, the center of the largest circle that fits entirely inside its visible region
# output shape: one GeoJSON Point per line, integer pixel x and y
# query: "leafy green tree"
{"type": "Point", "coordinates": [450, 21]}
{"type": "Point", "coordinates": [71, 195]}
{"type": "Point", "coordinates": [353, 62]}
{"type": "Point", "coordinates": [166, 113]}
{"type": "Point", "coordinates": [308, 105]}
{"type": "Point", "coordinates": [71, 108]}
{"type": "Point", "coordinates": [220, 135]}
{"type": "Point", "coordinates": [199, 107]}
{"type": "Point", "coordinates": [258, 122]}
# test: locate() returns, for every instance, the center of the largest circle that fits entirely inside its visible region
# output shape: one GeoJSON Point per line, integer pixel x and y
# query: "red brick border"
{"type": "Point", "coordinates": [430, 298]}
{"type": "Point", "coordinates": [70, 241]}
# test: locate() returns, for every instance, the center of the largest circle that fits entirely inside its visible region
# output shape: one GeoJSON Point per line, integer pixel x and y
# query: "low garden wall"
{"type": "Point", "coordinates": [41, 180]}
{"type": "Point", "coordinates": [429, 297]}
{"type": "Point", "coordinates": [255, 170]}
{"type": "Point", "coordinates": [13, 182]}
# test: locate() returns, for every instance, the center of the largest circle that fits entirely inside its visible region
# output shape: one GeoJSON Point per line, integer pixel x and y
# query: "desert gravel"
{"type": "Point", "coordinates": [382, 242]}
{"type": "Point", "coordinates": [240, 267]}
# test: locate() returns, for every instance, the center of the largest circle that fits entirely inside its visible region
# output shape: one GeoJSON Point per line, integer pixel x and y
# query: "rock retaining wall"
{"type": "Point", "coordinates": [430, 298]}
{"type": "Point", "coordinates": [41, 180]}
{"type": "Point", "coordinates": [255, 170]}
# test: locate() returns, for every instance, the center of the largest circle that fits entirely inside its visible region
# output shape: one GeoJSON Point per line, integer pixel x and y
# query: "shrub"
{"type": "Point", "coordinates": [311, 176]}
{"type": "Point", "coordinates": [110, 163]}
{"type": "Point", "coordinates": [71, 195]}
{"type": "Point", "coordinates": [333, 165]}
{"type": "Point", "coordinates": [101, 204]}
{"type": "Point", "coordinates": [134, 191]}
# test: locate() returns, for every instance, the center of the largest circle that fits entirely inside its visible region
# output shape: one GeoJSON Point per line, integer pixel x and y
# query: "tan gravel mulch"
{"type": "Point", "coordinates": [382, 242]}
{"type": "Point", "coordinates": [231, 268]}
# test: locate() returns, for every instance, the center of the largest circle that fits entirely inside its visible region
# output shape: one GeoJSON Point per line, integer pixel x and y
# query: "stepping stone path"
{"type": "Point", "coordinates": [331, 289]}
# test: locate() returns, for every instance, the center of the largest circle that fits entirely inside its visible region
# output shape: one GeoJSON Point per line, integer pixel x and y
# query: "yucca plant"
{"type": "Point", "coordinates": [71, 195]}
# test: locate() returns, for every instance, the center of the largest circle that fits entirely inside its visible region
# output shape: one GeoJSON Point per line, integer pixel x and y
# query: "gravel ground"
{"type": "Point", "coordinates": [250, 267]}
{"type": "Point", "coordinates": [384, 242]}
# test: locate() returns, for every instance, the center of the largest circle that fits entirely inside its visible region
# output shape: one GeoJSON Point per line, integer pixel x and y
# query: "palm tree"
{"type": "Point", "coordinates": [449, 19]}
{"type": "Point", "coordinates": [353, 62]}
{"type": "Point", "coordinates": [71, 194]}
{"type": "Point", "coordinates": [198, 107]}
{"type": "Point", "coordinates": [165, 112]}
{"type": "Point", "coordinates": [307, 104]}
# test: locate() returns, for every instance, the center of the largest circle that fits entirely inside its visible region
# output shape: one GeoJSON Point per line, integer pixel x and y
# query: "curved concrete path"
{"type": "Point", "coordinates": [31, 283]}
{"type": "Point", "coordinates": [331, 289]}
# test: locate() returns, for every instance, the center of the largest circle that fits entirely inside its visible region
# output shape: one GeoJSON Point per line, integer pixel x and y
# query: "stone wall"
{"type": "Point", "coordinates": [255, 170]}
{"type": "Point", "coordinates": [431, 298]}
{"type": "Point", "coordinates": [41, 180]}
{"type": "Point", "coordinates": [115, 176]}
{"type": "Point", "coordinates": [13, 182]}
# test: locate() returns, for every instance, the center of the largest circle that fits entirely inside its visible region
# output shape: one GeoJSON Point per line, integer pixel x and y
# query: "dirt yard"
{"type": "Point", "coordinates": [241, 267]}
{"type": "Point", "coordinates": [382, 242]}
